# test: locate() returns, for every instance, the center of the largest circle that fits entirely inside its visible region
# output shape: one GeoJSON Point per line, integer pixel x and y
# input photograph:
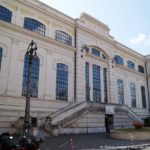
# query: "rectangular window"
{"type": "Point", "coordinates": [96, 83]}
{"type": "Point", "coordinates": [62, 82]}
{"type": "Point", "coordinates": [105, 85]}
{"type": "Point", "coordinates": [143, 97]}
{"type": "Point", "coordinates": [87, 81]}
{"type": "Point", "coordinates": [1, 53]}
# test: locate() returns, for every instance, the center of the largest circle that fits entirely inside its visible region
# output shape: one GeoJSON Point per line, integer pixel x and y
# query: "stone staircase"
{"type": "Point", "coordinates": [79, 117]}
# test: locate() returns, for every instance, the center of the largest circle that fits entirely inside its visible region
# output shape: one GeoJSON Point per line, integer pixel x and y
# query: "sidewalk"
{"type": "Point", "coordinates": [86, 141]}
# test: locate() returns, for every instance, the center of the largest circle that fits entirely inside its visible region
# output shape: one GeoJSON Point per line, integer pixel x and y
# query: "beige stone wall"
{"type": "Point", "coordinates": [14, 40]}
{"type": "Point", "coordinates": [90, 120]}
{"type": "Point", "coordinates": [107, 45]}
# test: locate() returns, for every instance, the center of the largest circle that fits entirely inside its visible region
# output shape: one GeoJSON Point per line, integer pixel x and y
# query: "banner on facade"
{"type": "Point", "coordinates": [109, 110]}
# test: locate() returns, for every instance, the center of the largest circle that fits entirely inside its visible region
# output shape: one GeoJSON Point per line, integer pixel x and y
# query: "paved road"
{"type": "Point", "coordinates": [85, 141]}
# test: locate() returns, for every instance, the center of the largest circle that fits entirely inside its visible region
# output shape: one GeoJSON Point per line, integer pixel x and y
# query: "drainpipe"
{"type": "Point", "coordinates": [75, 64]}
{"type": "Point", "coordinates": [147, 85]}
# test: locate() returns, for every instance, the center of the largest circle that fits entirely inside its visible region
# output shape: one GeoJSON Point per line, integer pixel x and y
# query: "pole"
{"type": "Point", "coordinates": [30, 54]}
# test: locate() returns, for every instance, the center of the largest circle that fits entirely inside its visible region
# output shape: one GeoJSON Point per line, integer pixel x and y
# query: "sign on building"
{"type": "Point", "coordinates": [109, 110]}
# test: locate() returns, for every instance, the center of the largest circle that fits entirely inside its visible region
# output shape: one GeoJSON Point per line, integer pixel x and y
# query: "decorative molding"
{"type": "Point", "coordinates": [61, 60]}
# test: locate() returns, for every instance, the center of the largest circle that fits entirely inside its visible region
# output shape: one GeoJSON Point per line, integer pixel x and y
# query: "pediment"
{"type": "Point", "coordinates": [94, 24]}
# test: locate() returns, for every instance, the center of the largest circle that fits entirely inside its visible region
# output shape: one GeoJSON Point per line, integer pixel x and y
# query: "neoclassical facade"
{"type": "Point", "coordinates": [82, 79]}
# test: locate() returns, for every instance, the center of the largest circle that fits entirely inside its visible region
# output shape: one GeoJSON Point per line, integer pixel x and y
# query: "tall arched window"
{"type": "Point", "coordinates": [34, 76]}
{"type": "Point", "coordinates": [63, 37]}
{"type": "Point", "coordinates": [34, 26]}
{"type": "Point", "coordinates": [120, 91]}
{"type": "Point", "coordinates": [141, 68]}
{"type": "Point", "coordinates": [5, 14]}
{"type": "Point", "coordinates": [105, 84]}
{"type": "Point", "coordinates": [96, 83]}
{"type": "Point", "coordinates": [1, 54]}
{"type": "Point", "coordinates": [143, 97]}
{"type": "Point", "coordinates": [118, 60]}
{"type": "Point", "coordinates": [87, 81]}
{"type": "Point", "coordinates": [133, 95]}
{"type": "Point", "coordinates": [130, 64]}
{"type": "Point", "coordinates": [62, 82]}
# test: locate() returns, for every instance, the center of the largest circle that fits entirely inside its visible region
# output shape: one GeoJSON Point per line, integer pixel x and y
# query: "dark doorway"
{"type": "Point", "coordinates": [108, 122]}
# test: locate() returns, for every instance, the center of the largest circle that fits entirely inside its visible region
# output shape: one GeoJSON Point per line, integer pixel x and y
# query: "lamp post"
{"type": "Point", "coordinates": [31, 54]}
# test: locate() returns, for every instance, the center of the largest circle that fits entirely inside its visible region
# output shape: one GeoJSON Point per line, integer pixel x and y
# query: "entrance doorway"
{"type": "Point", "coordinates": [109, 122]}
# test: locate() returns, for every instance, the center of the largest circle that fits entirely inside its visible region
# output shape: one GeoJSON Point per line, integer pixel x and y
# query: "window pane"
{"type": "Point", "coordinates": [5, 14]}
{"type": "Point", "coordinates": [34, 26]}
{"type": "Point", "coordinates": [131, 64]}
{"type": "Point", "coordinates": [96, 83]}
{"type": "Point", "coordinates": [118, 60]}
{"type": "Point", "coordinates": [95, 52]}
{"type": "Point", "coordinates": [62, 82]}
{"type": "Point", "coordinates": [141, 68]}
{"type": "Point", "coordinates": [143, 97]}
{"type": "Point", "coordinates": [87, 81]}
{"type": "Point", "coordinates": [133, 95]}
{"type": "Point", "coordinates": [1, 53]}
{"type": "Point", "coordinates": [34, 77]}
{"type": "Point", "coordinates": [63, 37]}
{"type": "Point", "coordinates": [105, 84]}
{"type": "Point", "coordinates": [120, 91]}
{"type": "Point", "coordinates": [104, 57]}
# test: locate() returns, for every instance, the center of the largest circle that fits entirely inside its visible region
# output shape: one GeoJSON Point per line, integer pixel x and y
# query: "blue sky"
{"type": "Point", "coordinates": [129, 20]}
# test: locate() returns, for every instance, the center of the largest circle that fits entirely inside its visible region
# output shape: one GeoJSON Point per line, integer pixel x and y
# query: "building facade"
{"type": "Point", "coordinates": [81, 71]}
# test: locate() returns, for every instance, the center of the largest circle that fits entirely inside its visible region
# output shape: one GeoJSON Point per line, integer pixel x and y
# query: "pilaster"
{"type": "Point", "coordinates": [13, 76]}
{"type": "Point", "coordinates": [111, 83]}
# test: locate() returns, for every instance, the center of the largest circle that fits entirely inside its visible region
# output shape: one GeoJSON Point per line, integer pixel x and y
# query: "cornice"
{"type": "Point", "coordinates": [128, 50]}
{"type": "Point", "coordinates": [38, 8]}
{"type": "Point", "coordinates": [29, 33]}
{"type": "Point", "coordinates": [130, 70]}
{"type": "Point", "coordinates": [34, 99]}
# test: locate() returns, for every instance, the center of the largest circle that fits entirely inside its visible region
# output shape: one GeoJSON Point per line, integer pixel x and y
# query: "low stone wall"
{"type": "Point", "coordinates": [124, 135]}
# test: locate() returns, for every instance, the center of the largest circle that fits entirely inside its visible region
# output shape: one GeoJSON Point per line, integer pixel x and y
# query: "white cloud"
{"type": "Point", "coordinates": [141, 38]}
{"type": "Point", "coordinates": [147, 42]}
{"type": "Point", "coordinates": [138, 39]}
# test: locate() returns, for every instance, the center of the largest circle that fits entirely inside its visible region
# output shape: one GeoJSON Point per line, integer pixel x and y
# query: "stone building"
{"type": "Point", "coordinates": [82, 80]}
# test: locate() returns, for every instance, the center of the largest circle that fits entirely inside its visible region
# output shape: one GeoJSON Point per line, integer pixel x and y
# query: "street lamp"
{"type": "Point", "coordinates": [83, 47]}
{"type": "Point", "coordinates": [31, 54]}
